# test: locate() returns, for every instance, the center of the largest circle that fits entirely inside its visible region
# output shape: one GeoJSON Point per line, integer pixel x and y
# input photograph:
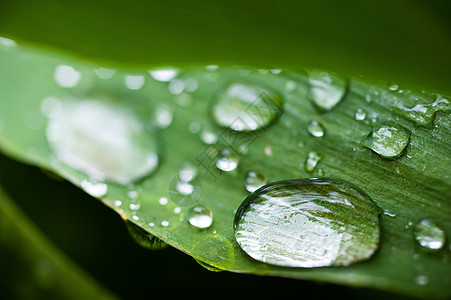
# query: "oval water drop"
{"type": "Point", "coordinates": [316, 129]}
{"type": "Point", "coordinates": [308, 223]}
{"type": "Point", "coordinates": [200, 217]}
{"type": "Point", "coordinates": [253, 180]}
{"type": "Point", "coordinates": [430, 235]}
{"type": "Point", "coordinates": [246, 107]}
{"type": "Point", "coordinates": [327, 90]}
{"type": "Point", "coordinates": [228, 160]}
{"type": "Point", "coordinates": [102, 140]}
{"type": "Point", "coordinates": [389, 139]}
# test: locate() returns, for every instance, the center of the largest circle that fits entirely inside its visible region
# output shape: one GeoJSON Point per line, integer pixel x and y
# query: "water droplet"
{"type": "Point", "coordinates": [177, 210]}
{"type": "Point", "coordinates": [227, 160]}
{"type": "Point", "coordinates": [185, 188]}
{"type": "Point", "coordinates": [66, 76]}
{"type": "Point", "coordinates": [187, 172]}
{"type": "Point", "coordinates": [311, 161]}
{"type": "Point", "coordinates": [211, 68]}
{"type": "Point", "coordinates": [327, 90]}
{"type": "Point", "coordinates": [208, 136]}
{"type": "Point", "coordinates": [134, 82]}
{"type": "Point", "coordinates": [301, 223]}
{"type": "Point", "coordinates": [163, 75]}
{"type": "Point", "coordinates": [7, 42]}
{"type": "Point", "coordinates": [393, 87]}
{"type": "Point", "coordinates": [104, 73]}
{"type": "Point", "coordinates": [104, 141]}
{"type": "Point", "coordinates": [134, 206]}
{"type": "Point", "coordinates": [421, 279]}
{"type": "Point", "coordinates": [200, 217]}
{"type": "Point", "coordinates": [117, 203]}
{"type": "Point", "coordinates": [194, 127]}
{"type": "Point", "coordinates": [360, 114]}
{"type": "Point", "coordinates": [245, 107]}
{"type": "Point", "coordinates": [320, 172]}
{"type": "Point", "coordinates": [176, 86]}
{"type": "Point", "coordinates": [387, 139]}
{"type": "Point", "coordinates": [430, 235]}
{"type": "Point", "coordinates": [208, 266]}
{"type": "Point", "coordinates": [254, 180]}
{"type": "Point", "coordinates": [94, 189]}
{"type": "Point", "coordinates": [143, 238]}
{"type": "Point", "coordinates": [162, 116]}
{"type": "Point", "coordinates": [51, 106]}
{"type": "Point", "coordinates": [163, 200]}
{"type": "Point", "coordinates": [316, 129]}
{"type": "Point", "coordinates": [165, 223]}
{"type": "Point", "coordinates": [268, 150]}
{"type": "Point", "coordinates": [132, 194]}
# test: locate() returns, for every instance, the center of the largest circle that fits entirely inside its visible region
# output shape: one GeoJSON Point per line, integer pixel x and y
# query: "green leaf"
{"type": "Point", "coordinates": [406, 41]}
{"type": "Point", "coordinates": [408, 189]}
{"type": "Point", "coordinates": [36, 269]}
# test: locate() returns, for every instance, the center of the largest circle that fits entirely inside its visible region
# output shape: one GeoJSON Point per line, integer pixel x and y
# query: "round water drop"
{"type": "Point", "coordinates": [134, 82]}
{"type": "Point", "coordinates": [430, 235]}
{"type": "Point", "coordinates": [208, 136]}
{"type": "Point", "coordinates": [311, 161]}
{"type": "Point", "coordinates": [253, 180]}
{"type": "Point", "coordinates": [66, 76]}
{"type": "Point", "coordinates": [308, 223]}
{"type": "Point", "coordinates": [104, 73]}
{"type": "Point", "coordinates": [94, 189]}
{"type": "Point", "coordinates": [104, 141]}
{"type": "Point", "coordinates": [387, 139]}
{"type": "Point", "coordinates": [228, 160]}
{"type": "Point", "coordinates": [327, 90]}
{"type": "Point", "coordinates": [246, 107]}
{"type": "Point", "coordinates": [200, 217]}
{"type": "Point", "coordinates": [162, 116]}
{"type": "Point", "coordinates": [359, 115]}
{"type": "Point", "coordinates": [316, 129]}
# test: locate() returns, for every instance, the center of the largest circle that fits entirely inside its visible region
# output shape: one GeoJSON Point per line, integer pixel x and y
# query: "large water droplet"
{"type": "Point", "coordinates": [246, 107]}
{"type": "Point", "coordinates": [327, 90]}
{"type": "Point", "coordinates": [430, 235]}
{"type": "Point", "coordinates": [143, 238]}
{"type": "Point", "coordinates": [102, 140]}
{"type": "Point", "coordinates": [200, 217]}
{"type": "Point", "coordinates": [387, 139]}
{"type": "Point", "coordinates": [254, 180]}
{"type": "Point", "coordinates": [308, 223]}
{"type": "Point", "coordinates": [227, 160]}
{"type": "Point", "coordinates": [316, 129]}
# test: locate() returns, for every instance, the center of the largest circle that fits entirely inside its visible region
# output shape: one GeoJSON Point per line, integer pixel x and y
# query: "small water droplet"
{"type": "Point", "coordinates": [327, 90]}
{"type": "Point", "coordinates": [228, 160]}
{"type": "Point", "coordinates": [162, 117]}
{"type": "Point", "coordinates": [200, 217]}
{"type": "Point", "coordinates": [194, 127]}
{"type": "Point", "coordinates": [320, 172]}
{"type": "Point", "coordinates": [359, 115]}
{"type": "Point", "coordinates": [208, 136]}
{"type": "Point", "coordinates": [134, 206]}
{"type": "Point", "coordinates": [176, 87]}
{"type": "Point", "coordinates": [7, 42]}
{"type": "Point", "coordinates": [117, 203]}
{"type": "Point", "coordinates": [66, 76]}
{"type": "Point", "coordinates": [163, 75]}
{"type": "Point", "coordinates": [311, 161]}
{"type": "Point", "coordinates": [191, 84]}
{"type": "Point", "coordinates": [104, 141]}
{"type": "Point", "coordinates": [268, 150]}
{"type": "Point", "coordinates": [246, 107]}
{"type": "Point", "coordinates": [51, 106]}
{"type": "Point", "coordinates": [299, 223]}
{"type": "Point", "coordinates": [254, 180]}
{"type": "Point", "coordinates": [163, 200]}
{"type": "Point", "coordinates": [177, 210]}
{"type": "Point", "coordinates": [94, 189]}
{"type": "Point", "coordinates": [430, 235]}
{"type": "Point", "coordinates": [165, 223]}
{"type": "Point", "coordinates": [135, 217]}
{"type": "Point", "coordinates": [104, 73]}
{"type": "Point", "coordinates": [143, 238]}
{"type": "Point", "coordinates": [134, 82]}
{"type": "Point", "coordinates": [387, 139]}
{"type": "Point", "coordinates": [316, 129]}
{"type": "Point", "coordinates": [393, 87]}
{"type": "Point", "coordinates": [421, 279]}
{"type": "Point", "coordinates": [211, 67]}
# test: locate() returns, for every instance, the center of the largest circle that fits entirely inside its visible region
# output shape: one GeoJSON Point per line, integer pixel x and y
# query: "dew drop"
{"type": "Point", "coordinates": [102, 140]}
{"type": "Point", "coordinates": [176, 86]}
{"type": "Point", "coordinates": [66, 76]}
{"type": "Point", "coordinates": [143, 238]}
{"type": "Point", "coordinates": [246, 107]}
{"type": "Point", "coordinates": [94, 189]}
{"type": "Point", "coordinates": [227, 160]}
{"type": "Point", "coordinates": [327, 90]}
{"type": "Point", "coordinates": [311, 161]}
{"type": "Point", "coordinates": [254, 180]}
{"type": "Point", "coordinates": [185, 188]}
{"type": "Point", "coordinates": [163, 200]}
{"type": "Point", "coordinates": [208, 136]}
{"type": "Point", "coordinates": [7, 42]}
{"type": "Point", "coordinates": [316, 129]}
{"type": "Point", "coordinates": [134, 206]}
{"type": "Point", "coordinates": [162, 116]}
{"type": "Point", "coordinates": [430, 235]}
{"type": "Point", "coordinates": [104, 73]}
{"type": "Point", "coordinates": [359, 115]}
{"type": "Point", "coordinates": [387, 139]}
{"type": "Point", "coordinates": [308, 223]}
{"type": "Point", "coordinates": [165, 223]}
{"type": "Point", "coordinates": [163, 75]}
{"type": "Point", "coordinates": [200, 217]}
{"type": "Point", "coordinates": [134, 82]}
{"type": "Point", "coordinates": [421, 279]}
